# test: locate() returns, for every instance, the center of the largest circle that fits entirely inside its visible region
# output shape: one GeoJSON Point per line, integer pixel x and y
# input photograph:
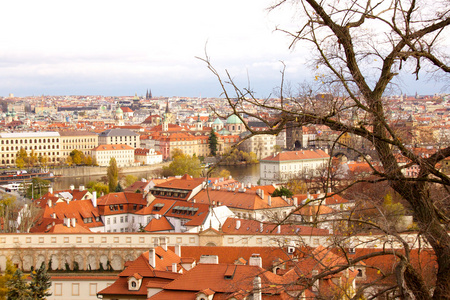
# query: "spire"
{"type": "Point", "coordinates": [146, 95]}
{"type": "Point", "coordinates": [150, 94]}
{"type": "Point", "coordinates": [167, 106]}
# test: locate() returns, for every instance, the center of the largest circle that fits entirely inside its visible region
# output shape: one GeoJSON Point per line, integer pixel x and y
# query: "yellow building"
{"type": "Point", "coordinates": [46, 144]}
{"type": "Point", "coordinates": [83, 141]}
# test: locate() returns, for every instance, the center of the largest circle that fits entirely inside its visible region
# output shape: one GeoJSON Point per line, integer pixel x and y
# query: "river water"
{"type": "Point", "coordinates": [242, 173]}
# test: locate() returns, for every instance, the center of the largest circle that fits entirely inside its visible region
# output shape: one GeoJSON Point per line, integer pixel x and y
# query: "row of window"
{"type": "Point", "coordinates": [41, 153]}
{"type": "Point", "coordinates": [66, 141]}
{"type": "Point", "coordinates": [30, 141]}
{"type": "Point", "coordinates": [35, 147]}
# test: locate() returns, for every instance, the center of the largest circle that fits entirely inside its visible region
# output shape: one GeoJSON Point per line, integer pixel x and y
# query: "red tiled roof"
{"type": "Point", "coordinates": [239, 199]}
{"type": "Point", "coordinates": [161, 224]}
{"type": "Point", "coordinates": [114, 147]}
{"type": "Point", "coordinates": [253, 227]}
{"type": "Point", "coordinates": [298, 155]}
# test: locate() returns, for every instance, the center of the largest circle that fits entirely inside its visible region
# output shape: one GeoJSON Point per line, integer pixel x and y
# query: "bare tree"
{"type": "Point", "coordinates": [359, 49]}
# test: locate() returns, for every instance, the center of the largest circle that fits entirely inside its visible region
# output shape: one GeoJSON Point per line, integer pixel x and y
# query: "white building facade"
{"type": "Point", "coordinates": [123, 154]}
{"type": "Point", "coordinates": [290, 164]}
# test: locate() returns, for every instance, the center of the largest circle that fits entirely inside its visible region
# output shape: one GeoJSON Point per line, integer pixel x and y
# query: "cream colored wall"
{"type": "Point", "coordinates": [78, 288]}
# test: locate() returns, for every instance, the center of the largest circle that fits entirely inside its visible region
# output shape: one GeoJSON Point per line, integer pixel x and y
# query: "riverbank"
{"type": "Point", "coordinates": [83, 171]}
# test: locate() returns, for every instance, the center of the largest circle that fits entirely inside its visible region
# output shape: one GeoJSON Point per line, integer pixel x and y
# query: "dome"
{"type": "Point", "coordinates": [218, 121]}
{"type": "Point", "coordinates": [119, 111]}
{"type": "Point", "coordinates": [224, 132]}
{"type": "Point", "coordinates": [233, 119]}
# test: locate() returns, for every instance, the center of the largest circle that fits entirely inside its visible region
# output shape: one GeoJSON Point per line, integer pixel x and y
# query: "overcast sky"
{"type": "Point", "coordinates": [112, 48]}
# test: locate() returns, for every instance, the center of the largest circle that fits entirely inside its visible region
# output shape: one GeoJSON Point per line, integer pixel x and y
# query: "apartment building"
{"type": "Point", "coordinates": [46, 144]}
{"type": "Point", "coordinates": [119, 136]}
{"type": "Point", "coordinates": [124, 155]}
{"type": "Point", "coordinates": [83, 141]}
{"type": "Point", "coordinates": [286, 165]}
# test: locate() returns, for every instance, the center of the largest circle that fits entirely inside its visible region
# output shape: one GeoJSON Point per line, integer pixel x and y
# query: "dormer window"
{"type": "Point", "coordinates": [134, 282]}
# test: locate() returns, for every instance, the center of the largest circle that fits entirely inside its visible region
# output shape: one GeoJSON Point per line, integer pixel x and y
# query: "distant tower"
{"type": "Point", "coordinates": [150, 95]}
{"type": "Point", "coordinates": [119, 117]}
{"type": "Point", "coordinates": [146, 95]}
{"type": "Point", "coordinates": [199, 125]}
{"type": "Point", "coordinates": [165, 124]}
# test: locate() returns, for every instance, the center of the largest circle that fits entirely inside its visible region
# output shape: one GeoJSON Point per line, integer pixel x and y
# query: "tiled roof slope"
{"type": "Point", "coordinates": [157, 276]}
{"type": "Point", "coordinates": [222, 279]}
{"type": "Point", "coordinates": [298, 155]}
{"type": "Point", "coordinates": [252, 227]}
{"type": "Point", "coordinates": [247, 199]}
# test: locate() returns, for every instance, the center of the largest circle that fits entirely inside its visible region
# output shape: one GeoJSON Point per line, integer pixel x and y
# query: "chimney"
{"type": "Point", "coordinates": [81, 188]}
{"type": "Point", "coordinates": [238, 224]}
{"type": "Point", "coordinates": [295, 201]}
{"type": "Point", "coordinates": [260, 193]}
{"type": "Point", "coordinates": [49, 203]}
{"type": "Point", "coordinates": [94, 198]}
{"type": "Point", "coordinates": [329, 190]}
{"type": "Point", "coordinates": [269, 200]}
{"type": "Point", "coordinates": [67, 221]}
{"type": "Point", "coordinates": [150, 198]}
{"type": "Point", "coordinates": [178, 250]}
{"type": "Point", "coordinates": [163, 242]}
{"type": "Point", "coordinates": [74, 222]}
{"type": "Point", "coordinates": [257, 288]}
{"type": "Point", "coordinates": [209, 259]}
{"type": "Point", "coordinates": [152, 257]}
{"type": "Point", "coordinates": [174, 267]}
{"type": "Point", "coordinates": [156, 242]}
{"type": "Point", "coordinates": [72, 187]}
{"type": "Point", "coordinates": [261, 227]}
{"type": "Point", "coordinates": [279, 229]}
{"type": "Point", "coordinates": [255, 260]}
{"type": "Point", "coordinates": [50, 190]}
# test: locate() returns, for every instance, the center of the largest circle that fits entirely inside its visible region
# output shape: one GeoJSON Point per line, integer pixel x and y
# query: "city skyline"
{"type": "Point", "coordinates": [113, 49]}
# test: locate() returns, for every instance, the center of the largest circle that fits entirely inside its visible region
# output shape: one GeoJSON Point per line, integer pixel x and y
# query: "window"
{"type": "Point", "coordinates": [133, 284]}
{"type": "Point", "coordinates": [58, 289]}
{"type": "Point", "coordinates": [75, 289]}
{"type": "Point", "coordinates": [92, 289]}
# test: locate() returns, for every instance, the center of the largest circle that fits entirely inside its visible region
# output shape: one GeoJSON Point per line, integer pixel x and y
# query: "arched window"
{"type": "Point", "coordinates": [133, 284]}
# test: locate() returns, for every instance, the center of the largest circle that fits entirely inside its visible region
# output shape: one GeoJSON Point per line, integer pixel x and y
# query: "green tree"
{"type": "Point", "coordinates": [283, 191]}
{"type": "Point", "coordinates": [40, 283]}
{"type": "Point", "coordinates": [112, 173]}
{"type": "Point", "coordinates": [37, 188]}
{"type": "Point", "coordinates": [99, 187]}
{"type": "Point", "coordinates": [17, 287]}
{"type": "Point", "coordinates": [21, 158]}
{"type": "Point", "coordinates": [78, 157]}
{"type": "Point", "coordinates": [119, 188]}
{"type": "Point", "coordinates": [43, 160]}
{"type": "Point", "coordinates": [5, 278]}
{"type": "Point", "coordinates": [69, 161]}
{"type": "Point", "coordinates": [89, 161]}
{"type": "Point", "coordinates": [32, 159]}
{"type": "Point", "coordinates": [130, 179]}
{"type": "Point", "coordinates": [184, 164]}
{"type": "Point", "coordinates": [212, 140]}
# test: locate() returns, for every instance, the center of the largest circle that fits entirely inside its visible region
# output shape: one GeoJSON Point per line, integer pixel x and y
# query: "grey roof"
{"type": "Point", "coordinates": [118, 132]}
